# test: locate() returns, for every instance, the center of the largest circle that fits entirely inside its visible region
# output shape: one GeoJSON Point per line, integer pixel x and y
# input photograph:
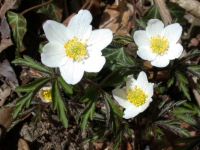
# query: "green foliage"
{"type": "Point", "coordinates": [189, 108]}
{"type": "Point", "coordinates": [31, 86]}
{"type": "Point", "coordinates": [29, 62]}
{"type": "Point", "coordinates": [117, 58]}
{"type": "Point", "coordinates": [175, 10]}
{"type": "Point", "coordinates": [172, 126]}
{"type": "Point", "coordinates": [183, 82]}
{"type": "Point", "coordinates": [18, 26]}
{"type": "Point", "coordinates": [50, 10]}
{"type": "Point", "coordinates": [31, 90]}
{"type": "Point", "coordinates": [191, 143]}
{"type": "Point", "coordinates": [66, 87]}
{"type": "Point", "coordinates": [58, 103]}
{"type": "Point", "coordinates": [114, 109]}
{"type": "Point", "coordinates": [88, 112]}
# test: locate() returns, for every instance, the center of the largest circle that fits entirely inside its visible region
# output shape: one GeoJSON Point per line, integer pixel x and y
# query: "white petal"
{"type": "Point", "coordinates": [52, 54]}
{"type": "Point", "coordinates": [120, 96]}
{"type": "Point", "coordinates": [173, 32]}
{"type": "Point", "coordinates": [145, 105]}
{"type": "Point", "coordinates": [160, 61]}
{"type": "Point", "coordinates": [71, 71]}
{"type": "Point", "coordinates": [79, 25]}
{"type": "Point", "coordinates": [149, 90]}
{"type": "Point", "coordinates": [131, 112]}
{"type": "Point", "coordinates": [99, 39]}
{"type": "Point", "coordinates": [145, 53]}
{"type": "Point", "coordinates": [142, 80]}
{"type": "Point", "coordinates": [141, 38]}
{"type": "Point", "coordinates": [55, 32]}
{"type": "Point", "coordinates": [94, 64]}
{"type": "Point", "coordinates": [174, 51]}
{"type": "Point", "coordinates": [154, 27]}
{"type": "Point", "coordinates": [130, 82]}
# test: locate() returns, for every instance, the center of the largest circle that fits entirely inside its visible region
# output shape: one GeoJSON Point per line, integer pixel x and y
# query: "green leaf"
{"type": "Point", "coordinates": [170, 81]}
{"type": "Point", "coordinates": [194, 69]}
{"type": "Point", "coordinates": [59, 104]}
{"type": "Point", "coordinates": [89, 110]}
{"type": "Point", "coordinates": [116, 77]}
{"type": "Point", "coordinates": [50, 10]}
{"type": "Point", "coordinates": [169, 106]}
{"type": "Point", "coordinates": [128, 130]}
{"type": "Point", "coordinates": [117, 58]}
{"type": "Point", "coordinates": [189, 109]}
{"type": "Point", "coordinates": [42, 44]}
{"type": "Point", "coordinates": [113, 107]}
{"type": "Point", "coordinates": [152, 13]}
{"type": "Point", "coordinates": [176, 12]}
{"type": "Point", "coordinates": [67, 88]}
{"type": "Point", "coordinates": [174, 128]}
{"type": "Point", "coordinates": [18, 26]}
{"type": "Point", "coordinates": [159, 131]}
{"type": "Point", "coordinates": [29, 62]}
{"type": "Point", "coordinates": [141, 23]}
{"type": "Point", "coordinates": [33, 85]}
{"type": "Point", "coordinates": [117, 141]}
{"type": "Point", "coordinates": [189, 119]}
{"type": "Point", "coordinates": [88, 94]}
{"type": "Point", "coordinates": [181, 110]}
{"type": "Point", "coordinates": [191, 54]}
{"type": "Point", "coordinates": [183, 81]}
{"type": "Point", "coordinates": [21, 102]}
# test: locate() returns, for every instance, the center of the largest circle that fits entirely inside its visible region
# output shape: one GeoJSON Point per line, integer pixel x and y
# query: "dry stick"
{"type": "Point", "coordinates": [85, 5]}
{"type": "Point", "coordinates": [166, 17]}
{"type": "Point", "coordinates": [90, 5]}
{"type": "Point", "coordinates": [37, 6]}
{"type": "Point", "coordinates": [134, 16]}
{"type": "Point", "coordinates": [164, 12]}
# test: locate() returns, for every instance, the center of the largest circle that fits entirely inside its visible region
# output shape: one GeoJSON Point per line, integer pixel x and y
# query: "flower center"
{"type": "Point", "coordinates": [75, 49]}
{"type": "Point", "coordinates": [158, 44]}
{"type": "Point", "coordinates": [136, 96]}
{"type": "Point", "coordinates": [47, 94]}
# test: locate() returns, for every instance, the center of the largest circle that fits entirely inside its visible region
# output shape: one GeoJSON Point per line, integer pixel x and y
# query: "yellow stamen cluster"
{"type": "Point", "coordinates": [75, 48]}
{"type": "Point", "coordinates": [158, 44]}
{"type": "Point", "coordinates": [136, 96]}
{"type": "Point", "coordinates": [47, 94]}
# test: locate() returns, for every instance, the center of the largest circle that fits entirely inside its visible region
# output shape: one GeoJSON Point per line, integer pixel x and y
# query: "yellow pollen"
{"type": "Point", "coordinates": [158, 44]}
{"type": "Point", "coordinates": [47, 94]}
{"type": "Point", "coordinates": [75, 48]}
{"type": "Point", "coordinates": [136, 96]}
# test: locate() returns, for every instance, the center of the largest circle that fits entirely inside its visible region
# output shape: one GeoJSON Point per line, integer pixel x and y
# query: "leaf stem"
{"type": "Point", "coordinates": [37, 6]}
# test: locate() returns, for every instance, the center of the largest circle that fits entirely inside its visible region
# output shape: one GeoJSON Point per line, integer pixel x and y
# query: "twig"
{"type": "Point", "coordinates": [134, 16]}
{"type": "Point", "coordinates": [90, 5]}
{"type": "Point", "coordinates": [85, 5]}
{"type": "Point", "coordinates": [37, 6]}
{"type": "Point", "coordinates": [164, 12]}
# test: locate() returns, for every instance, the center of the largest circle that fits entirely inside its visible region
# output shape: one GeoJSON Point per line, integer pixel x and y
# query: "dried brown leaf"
{"type": "Point", "coordinates": [4, 28]}
{"type": "Point", "coordinates": [192, 6]}
{"type": "Point", "coordinates": [22, 145]}
{"type": "Point", "coordinates": [6, 119]}
{"type": "Point", "coordinates": [117, 17]}
{"type": "Point", "coordinates": [6, 6]}
{"type": "Point", "coordinates": [4, 93]}
{"type": "Point", "coordinates": [5, 43]}
{"type": "Point", "coordinates": [7, 71]}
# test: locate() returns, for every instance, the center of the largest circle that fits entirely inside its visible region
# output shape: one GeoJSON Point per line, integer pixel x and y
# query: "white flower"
{"type": "Point", "coordinates": [45, 94]}
{"type": "Point", "coordinates": [158, 44]}
{"type": "Point", "coordinates": [75, 48]}
{"type": "Point", "coordinates": [136, 97]}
